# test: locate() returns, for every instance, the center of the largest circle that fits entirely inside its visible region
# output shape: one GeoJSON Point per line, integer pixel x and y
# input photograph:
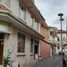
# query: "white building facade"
{"type": "Point", "coordinates": [53, 39]}
{"type": "Point", "coordinates": [20, 23]}
{"type": "Point", "coordinates": [64, 40]}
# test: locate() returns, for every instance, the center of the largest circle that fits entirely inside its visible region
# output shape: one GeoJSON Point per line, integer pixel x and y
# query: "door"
{"type": "Point", "coordinates": [36, 51]}
{"type": "Point", "coordinates": [1, 47]}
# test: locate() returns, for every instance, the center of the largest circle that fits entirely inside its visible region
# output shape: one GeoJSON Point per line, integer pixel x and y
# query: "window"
{"type": "Point", "coordinates": [34, 46]}
{"type": "Point", "coordinates": [32, 22]}
{"type": "Point", "coordinates": [7, 2]}
{"type": "Point", "coordinates": [58, 39]}
{"type": "Point", "coordinates": [37, 26]}
{"type": "Point", "coordinates": [21, 42]}
{"type": "Point", "coordinates": [22, 12]}
{"type": "Point", "coordinates": [31, 46]}
{"type": "Point", "coordinates": [51, 33]}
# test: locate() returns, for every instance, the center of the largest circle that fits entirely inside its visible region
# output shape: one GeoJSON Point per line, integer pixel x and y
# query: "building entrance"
{"type": "Point", "coordinates": [1, 47]}
{"type": "Point", "coordinates": [36, 46]}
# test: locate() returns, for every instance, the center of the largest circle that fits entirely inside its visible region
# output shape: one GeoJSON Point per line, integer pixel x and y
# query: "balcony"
{"type": "Point", "coordinates": [9, 17]}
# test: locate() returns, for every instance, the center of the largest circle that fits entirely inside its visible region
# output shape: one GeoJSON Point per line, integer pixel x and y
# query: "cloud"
{"type": "Point", "coordinates": [50, 10]}
{"type": "Point", "coordinates": [53, 2]}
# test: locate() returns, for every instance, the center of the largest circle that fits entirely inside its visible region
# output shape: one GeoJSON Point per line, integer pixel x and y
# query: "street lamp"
{"type": "Point", "coordinates": [61, 19]}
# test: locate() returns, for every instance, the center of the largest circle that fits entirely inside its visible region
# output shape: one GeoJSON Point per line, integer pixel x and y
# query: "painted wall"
{"type": "Point", "coordinates": [44, 32]}
{"type": "Point", "coordinates": [10, 42]}
{"type": "Point", "coordinates": [19, 13]}
{"type": "Point", "coordinates": [45, 48]}
{"type": "Point", "coordinates": [15, 7]}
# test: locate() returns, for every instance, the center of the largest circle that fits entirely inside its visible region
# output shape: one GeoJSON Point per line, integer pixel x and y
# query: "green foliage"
{"type": "Point", "coordinates": [5, 61]}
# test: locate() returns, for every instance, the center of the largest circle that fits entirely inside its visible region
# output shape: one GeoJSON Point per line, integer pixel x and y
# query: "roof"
{"type": "Point", "coordinates": [51, 27]}
{"type": "Point", "coordinates": [63, 31]}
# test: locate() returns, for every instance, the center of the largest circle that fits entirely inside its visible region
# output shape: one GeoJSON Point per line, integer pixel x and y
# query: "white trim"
{"type": "Point", "coordinates": [4, 29]}
{"type": "Point", "coordinates": [20, 24]}
{"type": "Point", "coordinates": [1, 65]}
{"type": "Point", "coordinates": [5, 6]}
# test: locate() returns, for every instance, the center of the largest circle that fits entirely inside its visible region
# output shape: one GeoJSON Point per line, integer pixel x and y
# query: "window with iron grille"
{"type": "Point", "coordinates": [21, 42]}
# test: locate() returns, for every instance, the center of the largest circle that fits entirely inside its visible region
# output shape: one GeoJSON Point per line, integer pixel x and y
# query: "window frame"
{"type": "Point", "coordinates": [21, 45]}
{"type": "Point", "coordinates": [22, 9]}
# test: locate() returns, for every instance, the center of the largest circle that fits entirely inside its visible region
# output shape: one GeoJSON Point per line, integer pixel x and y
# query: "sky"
{"type": "Point", "coordinates": [50, 10]}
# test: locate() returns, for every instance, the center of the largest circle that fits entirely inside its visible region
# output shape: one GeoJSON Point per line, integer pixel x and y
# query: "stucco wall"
{"type": "Point", "coordinates": [14, 7]}
{"type": "Point", "coordinates": [44, 32]}
{"type": "Point", "coordinates": [44, 49]}
{"type": "Point", "coordinates": [10, 42]}
{"type": "Point", "coordinates": [28, 18]}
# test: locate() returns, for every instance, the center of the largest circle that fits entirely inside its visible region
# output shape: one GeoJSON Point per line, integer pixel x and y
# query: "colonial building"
{"type": "Point", "coordinates": [20, 23]}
